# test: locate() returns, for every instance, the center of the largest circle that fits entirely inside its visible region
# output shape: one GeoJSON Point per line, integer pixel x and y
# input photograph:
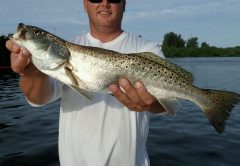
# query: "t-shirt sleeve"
{"type": "Point", "coordinates": [57, 91]}
{"type": "Point", "coordinates": [153, 47]}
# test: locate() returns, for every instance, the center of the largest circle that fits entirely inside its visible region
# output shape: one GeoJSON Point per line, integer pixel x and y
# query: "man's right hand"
{"type": "Point", "coordinates": [34, 84]}
{"type": "Point", "coordinates": [20, 59]}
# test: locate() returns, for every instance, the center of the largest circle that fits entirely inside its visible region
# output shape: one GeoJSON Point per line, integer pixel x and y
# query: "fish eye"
{"type": "Point", "coordinates": [37, 32]}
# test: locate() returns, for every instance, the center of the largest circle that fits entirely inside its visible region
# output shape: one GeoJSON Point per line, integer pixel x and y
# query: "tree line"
{"type": "Point", "coordinates": [173, 45]}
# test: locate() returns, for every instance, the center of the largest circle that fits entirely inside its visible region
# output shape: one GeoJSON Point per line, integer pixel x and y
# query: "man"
{"type": "Point", "coordinates": [104, 131]}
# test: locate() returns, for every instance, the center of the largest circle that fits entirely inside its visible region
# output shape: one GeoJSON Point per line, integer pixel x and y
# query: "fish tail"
{"type": "Point", "coordinates": [219, 107]}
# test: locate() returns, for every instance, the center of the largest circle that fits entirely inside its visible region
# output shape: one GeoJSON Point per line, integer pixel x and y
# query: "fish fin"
{"type": "Point", "coordinates": [173, 67]}
{"type": "Point", "coordinates": [171, 105]}
{"type": "Point", "coordinates": [76, 84]}
{"type": "Point", "coordinates": [71, 76]}
{"type": "Point", "coordinates": [219, 107]}
{"type": "Point", "coordinates": [82, 92]}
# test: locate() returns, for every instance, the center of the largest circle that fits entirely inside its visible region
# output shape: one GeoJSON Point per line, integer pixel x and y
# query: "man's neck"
{"type": "Point", "coordinates": [106, 36]}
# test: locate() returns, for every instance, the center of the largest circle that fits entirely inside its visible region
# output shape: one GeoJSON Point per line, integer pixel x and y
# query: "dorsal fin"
{"type": "Point", "coordinates": [173, 67]}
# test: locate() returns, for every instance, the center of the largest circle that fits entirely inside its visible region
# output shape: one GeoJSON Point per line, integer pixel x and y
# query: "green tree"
{"type": "Point", "coordinates": [204, 44]}
{"type": "Point", "coordinates": [4, 53]}
{"type": "Point", "coordinates": [172, 39]}
{"type": "Point", "coordinates": [192, 42]}
{"type": "Point", "coordinates": [173, 47]}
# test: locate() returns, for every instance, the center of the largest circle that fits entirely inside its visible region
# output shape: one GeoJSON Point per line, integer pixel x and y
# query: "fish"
{"type": "Point", "coordinates": [91, 69]}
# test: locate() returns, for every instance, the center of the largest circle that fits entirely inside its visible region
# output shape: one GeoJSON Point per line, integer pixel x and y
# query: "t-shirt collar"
{"type": "Point", "coordinates": [97, 42]}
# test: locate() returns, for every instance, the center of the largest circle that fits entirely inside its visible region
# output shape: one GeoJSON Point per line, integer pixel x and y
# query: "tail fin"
{"type": "Point", "coordinates": [219, 107]}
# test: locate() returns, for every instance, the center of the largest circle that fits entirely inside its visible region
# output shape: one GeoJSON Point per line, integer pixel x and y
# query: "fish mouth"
{"type": "Point", "coordinates": [20, 33]}
{"type": "Point", "coordinates": [22, 29]}
{"type": "Point", "coordinates": [20, 26]}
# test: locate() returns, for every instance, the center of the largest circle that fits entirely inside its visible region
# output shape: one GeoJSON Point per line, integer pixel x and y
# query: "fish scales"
{"type": "Point", "coordinates": [137, 67]}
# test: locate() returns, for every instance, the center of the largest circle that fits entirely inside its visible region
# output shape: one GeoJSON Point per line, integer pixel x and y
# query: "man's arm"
{"type": "Point", "coordinates": [136, 97]}
{"type": "Point", "coordinates": [34, 84]}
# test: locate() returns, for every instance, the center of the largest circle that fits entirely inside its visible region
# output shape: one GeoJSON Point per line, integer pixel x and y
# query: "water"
{"type": "Point", "coordinates": [28, 136]}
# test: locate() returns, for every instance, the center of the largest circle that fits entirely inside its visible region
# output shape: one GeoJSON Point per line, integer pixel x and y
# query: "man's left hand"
{"type": "Point", "coordinates": [135, 97]}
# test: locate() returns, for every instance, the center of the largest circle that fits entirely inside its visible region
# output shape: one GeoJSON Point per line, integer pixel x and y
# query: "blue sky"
{"type": "Point", "coordinates": [213, 21]}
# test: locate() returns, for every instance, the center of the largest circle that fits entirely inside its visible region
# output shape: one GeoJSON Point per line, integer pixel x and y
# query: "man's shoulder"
{"type": "Point", "coordinates": [140, 44]}
{"type": "Point", "coordinates": [137, 38]}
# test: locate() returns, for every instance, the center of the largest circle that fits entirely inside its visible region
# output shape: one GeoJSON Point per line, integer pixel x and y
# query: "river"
{"type": "Point", "coordinates": [28, 136]}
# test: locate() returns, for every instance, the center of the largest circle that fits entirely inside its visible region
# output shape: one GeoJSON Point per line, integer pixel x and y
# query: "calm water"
{"type": "Point", "coordinates": [28, 136]}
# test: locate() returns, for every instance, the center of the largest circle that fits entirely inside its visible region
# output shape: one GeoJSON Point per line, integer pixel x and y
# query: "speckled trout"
{"type": "Point", "coordinates": [93, 69]}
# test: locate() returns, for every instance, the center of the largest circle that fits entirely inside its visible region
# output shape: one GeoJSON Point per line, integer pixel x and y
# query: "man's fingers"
{"type": "Point", "coordinates": [136, 97]}
{"type": "Point", "coordinates": [19, 56]}
{"type": "Point", "coordinates": [13, 47]}
{"type": "Point", "coordinates": [19, 61]}
{"type": "Point", "coordinates": [120, 95]}
{"type": "Point", "coordinates": [124, 99]}
{"type": "Point", "coordinates": [142, 92]}
{"type": "Point", "coordinates": [9, 45]}
{"type": "Point", "coordinates": [130, 90]}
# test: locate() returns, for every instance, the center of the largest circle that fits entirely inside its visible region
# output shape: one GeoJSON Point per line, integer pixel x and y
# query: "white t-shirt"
{"type": "Point", "coordinates": [102, 132]}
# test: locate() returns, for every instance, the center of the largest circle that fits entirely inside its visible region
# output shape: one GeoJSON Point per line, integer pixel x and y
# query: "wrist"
{"type": "Point", "coordinates": [156, 108]}
{"type": "Point", "coordinates": [31, 71]}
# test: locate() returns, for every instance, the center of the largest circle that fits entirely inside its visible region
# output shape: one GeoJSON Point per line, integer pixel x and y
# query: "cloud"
{"type": "Point", "coordinates": [186, 10]}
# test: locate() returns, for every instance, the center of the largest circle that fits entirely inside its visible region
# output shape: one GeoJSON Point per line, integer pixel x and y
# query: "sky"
{"type": "Point", "coordinates": [213, 21]}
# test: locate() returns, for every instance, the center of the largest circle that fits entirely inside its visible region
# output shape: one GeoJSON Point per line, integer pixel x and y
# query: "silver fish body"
{"type": "Point", "coordinates": [94, 69]}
